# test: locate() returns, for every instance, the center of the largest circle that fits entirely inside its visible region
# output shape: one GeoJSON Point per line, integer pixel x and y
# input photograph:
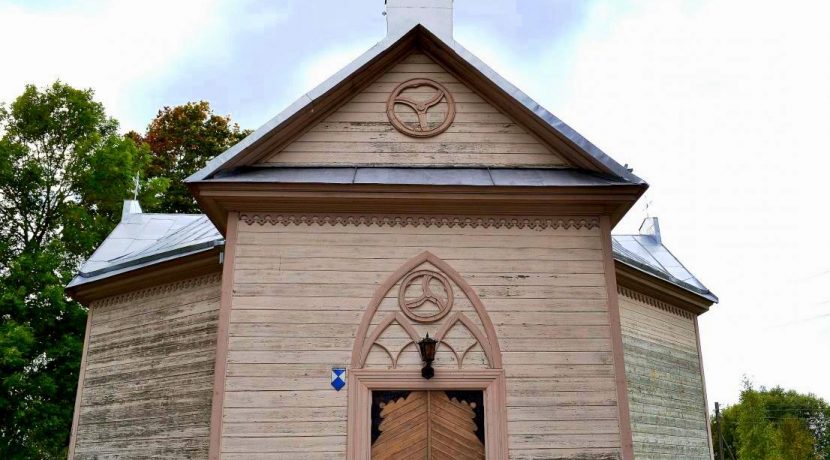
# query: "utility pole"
{"type": "Point", "coordinates": [720, 431]}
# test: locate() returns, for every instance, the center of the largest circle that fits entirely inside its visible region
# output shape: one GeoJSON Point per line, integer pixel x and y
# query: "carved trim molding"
{"type": "Point", "coordinates": [363, 381]}
{"type": "Point", "coordinates": [634, 295]}
{"type": "Point", "coordinates": [159, 290]}
{"type": "Point", "coordinates": [535, 223]}
{"type": "Point", "coordinates": [486, 338]}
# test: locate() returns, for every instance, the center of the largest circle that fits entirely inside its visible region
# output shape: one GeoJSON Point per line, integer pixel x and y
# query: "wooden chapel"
{"type": "Point", "coordinates": [412, 261]}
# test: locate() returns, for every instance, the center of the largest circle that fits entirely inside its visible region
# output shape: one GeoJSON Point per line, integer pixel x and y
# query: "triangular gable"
{"type": "Point", "coordinates": [563, 145]}
{"type": "Point", "coordinates": [360, 132]}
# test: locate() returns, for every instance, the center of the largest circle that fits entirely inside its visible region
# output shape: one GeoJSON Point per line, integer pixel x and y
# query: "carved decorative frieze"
{"type": "Point", "coordinates": [648, 300]}
{"type": "Point", "coordinates": [424, 127]}
{"type": "Point", "coordinates": [535, 223]}
{"type": "Point", "coordinates": [163, 289]}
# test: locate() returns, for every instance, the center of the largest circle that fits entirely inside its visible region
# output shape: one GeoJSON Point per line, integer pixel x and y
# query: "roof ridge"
{"type": "Point", "coordinates": [580, 145]}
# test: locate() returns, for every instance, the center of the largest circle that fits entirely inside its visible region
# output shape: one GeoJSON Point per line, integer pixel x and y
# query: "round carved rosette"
{"type": "Point", "coordinates": [425, 296]}
{"type": "Point", "coordinates": [421, 128]}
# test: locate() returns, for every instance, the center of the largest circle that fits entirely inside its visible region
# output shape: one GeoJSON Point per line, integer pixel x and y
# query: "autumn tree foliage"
{"type": "Point", "coordinates": [182, 139]}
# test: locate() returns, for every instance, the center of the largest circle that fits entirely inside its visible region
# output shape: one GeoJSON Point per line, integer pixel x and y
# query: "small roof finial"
{"type": "Point", "coordinates": [132, 206]}
{"type": "Point", "coordinates": [136, 185]}
{"type": "Point", "coordinates": [651, 227]}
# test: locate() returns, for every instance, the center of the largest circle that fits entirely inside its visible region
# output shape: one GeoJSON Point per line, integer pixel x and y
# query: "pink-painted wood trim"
{"type": "Point", "coordinates": [492, 338]}
{"type": "Point", "coordinates": [221, 364]}
{"type": "Point", "coordinates": [77, 415]}
{"type": "Point", "coordinates": [468, 323]}
{"type": "Point", "coordinates": [363, 381]}
{"type": "Point", "coordinates": [370, 341]}
{"type": "Point", "coordinates": [624, 412]}
{"type": "Point", "coordinates": [383, 290]}
{"type": "Point", "coordinates": [705, 397]}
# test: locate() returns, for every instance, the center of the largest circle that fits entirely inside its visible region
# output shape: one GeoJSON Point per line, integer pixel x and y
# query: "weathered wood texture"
{"type": "Point", "coordinates": [427, 425]}
{"type": "Point", "coordinates": [359, 132]}
{"type": "Point", "coordinates": [300, 292]}
{"type": "Point", "coordinates": [149, 373]}
{"type": "Point", "coordinates": [664, 379]}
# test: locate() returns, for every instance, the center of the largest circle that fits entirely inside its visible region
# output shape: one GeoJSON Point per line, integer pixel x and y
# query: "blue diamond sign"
{"type": "Point", "coordinates": [338, 378]}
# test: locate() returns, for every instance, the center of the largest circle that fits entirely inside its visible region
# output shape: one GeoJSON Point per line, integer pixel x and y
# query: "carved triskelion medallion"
{"type": "Point", "coordinates": [428, 123]}
{"type": "Point", "coordinates": [425, 296]}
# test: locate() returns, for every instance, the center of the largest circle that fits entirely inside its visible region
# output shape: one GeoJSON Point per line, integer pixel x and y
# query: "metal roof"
{"type": "Point", "coordinates": [142, 240]}
{"type": "Point", "coordinates": [648, 254]}
{"type": "Point", "coordinates": [421, 176]}
{"type": "Point", "coordinates": [308, 100]}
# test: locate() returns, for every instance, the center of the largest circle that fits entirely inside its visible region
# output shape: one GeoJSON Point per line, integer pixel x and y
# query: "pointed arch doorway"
{"type": "Point", "coordinates": [426, 295]}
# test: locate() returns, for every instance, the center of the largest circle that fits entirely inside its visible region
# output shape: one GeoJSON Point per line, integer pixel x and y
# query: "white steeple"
{"type": "Point", "coordinates": [435, 15]}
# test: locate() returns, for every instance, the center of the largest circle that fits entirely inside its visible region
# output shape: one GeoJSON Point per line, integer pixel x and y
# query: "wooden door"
{"type": "Point", "coordinates": [433, 425]}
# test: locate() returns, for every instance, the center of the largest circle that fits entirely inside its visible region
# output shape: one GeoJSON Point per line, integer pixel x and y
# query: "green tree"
{"type": "Point", "coordinates": [182, 139]}
{"type": "Point", "coordinates": [64, 172]}
{"type": "Point", "coordinates": [729, 420]}
{"type": "Point", "coordinates": [797, 442]}
{"type": "Point", "coordinates": [775, 424]}
{"type": "Point", "coordinates": [758, 438]}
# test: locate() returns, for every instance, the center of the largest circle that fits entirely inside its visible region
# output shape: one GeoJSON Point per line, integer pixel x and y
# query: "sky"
{"type": "Point", "coordinates": [723, 106]}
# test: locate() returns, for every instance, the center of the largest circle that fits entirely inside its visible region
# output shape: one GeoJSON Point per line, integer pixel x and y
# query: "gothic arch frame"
{"type": "Point", "coordinates": [489, 342]}
{"type": "Point", "coordinates": [362, 381]}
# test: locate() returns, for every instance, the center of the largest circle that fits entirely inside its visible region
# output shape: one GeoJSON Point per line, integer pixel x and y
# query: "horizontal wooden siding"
{"type": "Point", "coordinates": [359, 132]}
{"type": "Point", "coordinates": [300, 292]}
{"type": "Point", "coordinates": [665, 386]}
{"type": "Point", "coordinates": [149, 373]}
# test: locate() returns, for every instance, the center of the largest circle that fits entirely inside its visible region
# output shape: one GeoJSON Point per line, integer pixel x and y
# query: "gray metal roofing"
{"type": "Point", "coordinates": [307, 101]}
{"type": "Point", "coordinates": [646, 253]}
{"type": "Point", "coordinates": [143, 240]}
{"type": "Point", "coordinates": [421, 176]}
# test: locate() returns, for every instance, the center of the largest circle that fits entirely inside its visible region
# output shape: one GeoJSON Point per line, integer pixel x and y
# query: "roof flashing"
{"type": "Point", "coordinates": [469, 176]}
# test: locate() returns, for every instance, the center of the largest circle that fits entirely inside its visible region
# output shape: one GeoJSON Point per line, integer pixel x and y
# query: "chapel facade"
{"type": "Point", "coordinates": [413, 261]}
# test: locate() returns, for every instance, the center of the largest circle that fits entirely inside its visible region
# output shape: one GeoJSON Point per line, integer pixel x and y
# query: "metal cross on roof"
{"type": "Point", "coordinates": [136, 186]}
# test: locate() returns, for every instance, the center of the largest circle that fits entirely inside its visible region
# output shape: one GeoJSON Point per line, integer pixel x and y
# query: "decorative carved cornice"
{"type": "Point", "coordinates": [536, 223]}
{"type": "Point", "coordinates": [634, 295]}
{"type": "Point", "coordinates": [200, 281]}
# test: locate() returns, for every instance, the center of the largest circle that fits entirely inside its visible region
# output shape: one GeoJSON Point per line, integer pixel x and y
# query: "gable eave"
{"type": "Point", "coordinates": [579, 150]}
{"type": "Point", "coordinates": [592, 157]}
{"type": "Point", "coordinates": [236, 155]}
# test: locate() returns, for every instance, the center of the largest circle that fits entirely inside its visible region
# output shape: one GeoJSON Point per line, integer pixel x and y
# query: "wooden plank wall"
{"type": "Point", "coordinates": [300, 292]}
{"type": "Point", "coordinates": [149, 374]}
{"type": "Point", "coordinates": [664, 379]}
{"type": "Point", "coordinates": [359, 133]}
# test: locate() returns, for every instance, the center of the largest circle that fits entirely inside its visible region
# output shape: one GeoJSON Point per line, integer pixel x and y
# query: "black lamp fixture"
{"type": "Point", "coordinates": [427, 346]}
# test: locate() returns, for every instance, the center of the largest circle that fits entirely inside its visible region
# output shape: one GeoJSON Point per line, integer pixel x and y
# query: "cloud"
{"type": "Point", "coordinates": [722, 107]}
{"type": "Point", "coordinates": [323, 64]}
{"type": "Point", "coordinates": [108, 46]}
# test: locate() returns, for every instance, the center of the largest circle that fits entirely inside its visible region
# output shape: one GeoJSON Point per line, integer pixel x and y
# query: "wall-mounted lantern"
{"type": "Point", "coordinates": [427, 346]}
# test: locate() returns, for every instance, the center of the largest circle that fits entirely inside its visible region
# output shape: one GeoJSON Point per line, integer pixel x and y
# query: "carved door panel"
{"type": "Point", "coordinates": [427, 425]}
